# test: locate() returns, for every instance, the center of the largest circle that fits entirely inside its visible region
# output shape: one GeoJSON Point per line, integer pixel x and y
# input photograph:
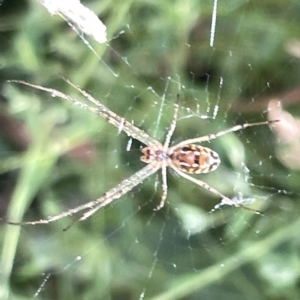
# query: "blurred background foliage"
{"type": "Point", "coordinates": [55, 156]}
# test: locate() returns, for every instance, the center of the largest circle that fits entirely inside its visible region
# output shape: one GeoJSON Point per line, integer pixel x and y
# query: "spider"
{"type": "Point", "coordinates": [187, 157]}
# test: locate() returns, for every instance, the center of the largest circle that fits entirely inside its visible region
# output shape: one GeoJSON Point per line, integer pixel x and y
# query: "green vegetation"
{"type": "Point", "coordinates": [55, 156]}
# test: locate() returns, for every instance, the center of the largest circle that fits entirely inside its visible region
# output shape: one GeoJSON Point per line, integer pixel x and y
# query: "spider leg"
{"type": "Point", "coordinates": [90, 212]}
{"type": "Point", "coordinates": [164, 188]}
{"type": "Point", "coordinates": [172, 126]}
{"type": "Point", "coordinates": [124, 187]}
{"type": "Point", "coordinates": [213, 136]}
{"type": "Point", "coordinates": [115, 193]}
{"type": "Point", "coordinates": [120, 123]}
{"type": "Point", "coordinates": [114, 119]}
{"type": "Point", "coordinates": [165, 147]}
{"type": "Point", "coordinates": [53, 92]}
{"type": "Point", "coordinates": [225, 200]}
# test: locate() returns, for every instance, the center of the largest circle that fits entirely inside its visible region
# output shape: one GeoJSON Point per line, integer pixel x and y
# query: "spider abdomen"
{"type": "Point", "coordinates": [195, 159]}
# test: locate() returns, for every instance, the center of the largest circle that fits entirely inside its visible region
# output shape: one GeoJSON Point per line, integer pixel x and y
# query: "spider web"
{"type": "Point", "coordinates": [230, 63]}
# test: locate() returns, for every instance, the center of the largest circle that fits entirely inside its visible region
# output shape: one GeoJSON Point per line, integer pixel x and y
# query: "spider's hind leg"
{"type": "Point", "coordinates": [225, 200]}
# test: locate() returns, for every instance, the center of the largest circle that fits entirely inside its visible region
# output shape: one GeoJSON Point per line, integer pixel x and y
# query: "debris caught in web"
{"type": "Point", "coordinates": [79, 17]}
